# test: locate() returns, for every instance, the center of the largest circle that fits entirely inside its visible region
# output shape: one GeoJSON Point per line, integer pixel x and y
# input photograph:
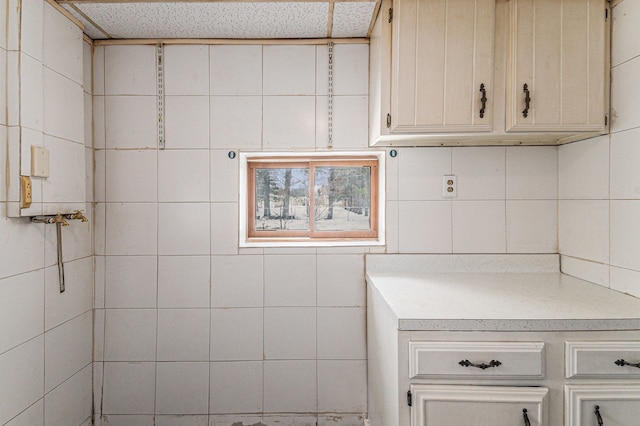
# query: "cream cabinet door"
{"type": "Point", "coordinates": [446, 405]}
{"type": "Point", "coordinates": [557, 66]}
{"type": "Point", "coordinates": [604, 404]}
{"type": "Point", "coordinates": [442, 53]}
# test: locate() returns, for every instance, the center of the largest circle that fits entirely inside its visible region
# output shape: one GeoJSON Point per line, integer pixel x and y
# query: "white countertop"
{"type": "Point", "coordinates": [541, 299]}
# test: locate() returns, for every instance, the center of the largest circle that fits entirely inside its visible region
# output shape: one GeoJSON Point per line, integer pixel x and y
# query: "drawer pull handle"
{"type": "Point", "coordinates": [483, 366]}
{"type": "Point", "coordinates": [526, 417]}
{"type": "Point", "coordinates": [598, 416]}
{"type": "Point", "coordinates": [527, 100]}
{"type": "Point", "coordinates": [622, 363]}
{"type": "Point", "coordinates": [483, 99]}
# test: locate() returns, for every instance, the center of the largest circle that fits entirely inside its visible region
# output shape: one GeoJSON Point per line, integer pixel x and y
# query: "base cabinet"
{"type": "Point", "coordinates": [602, 404]}
{"type": "Point", "coordinates": [478, 405]}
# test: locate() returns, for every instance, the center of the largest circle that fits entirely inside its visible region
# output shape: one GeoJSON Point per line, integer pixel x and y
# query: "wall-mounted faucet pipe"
{"type": "Point", "coordinates": [60, 220]}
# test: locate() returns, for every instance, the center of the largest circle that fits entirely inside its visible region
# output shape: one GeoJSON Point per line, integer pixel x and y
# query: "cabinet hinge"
{"type": "Point", "coordinates": [390, 14]}
{"type": "Point", "coordinates": [409, 399]}
{"type": "Point", "coordinates": [388, 121]}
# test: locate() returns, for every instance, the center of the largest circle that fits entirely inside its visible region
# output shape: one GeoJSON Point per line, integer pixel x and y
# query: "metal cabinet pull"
{"type": "Point", "coordinates": [598, 416]}
{"type": "Point", "coordinates": [526, 417]}
{"type": "Point", "coordinates": [527, 100]}
{"type": "Point", "coordinates": [622, 363]}
{"type": "Point", "coordinates": [483, 366]}
{"type": "Point", "coordinates": [483, 99]}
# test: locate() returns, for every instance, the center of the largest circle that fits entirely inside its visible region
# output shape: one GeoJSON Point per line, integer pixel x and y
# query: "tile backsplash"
{"type": "Point", "coordinates": [599, 180]}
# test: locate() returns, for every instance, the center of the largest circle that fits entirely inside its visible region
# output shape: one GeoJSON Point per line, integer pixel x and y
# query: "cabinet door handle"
{"type": "Point", "coordinates": [622, 363]}
{"type": "Point", "coordinates": [598, 416]}
{"type": "Point", "coordinates": [483, 366]}
{"type": "Point", "coordinates": [483, 99]}
{"type": "Point", "coordinates": [526, 417]}
{"type": "Point", "coordinates": [527, 100]}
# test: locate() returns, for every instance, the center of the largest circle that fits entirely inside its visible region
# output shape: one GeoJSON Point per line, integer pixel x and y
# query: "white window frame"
{"type": "Point", "coordinates": [245, 157]}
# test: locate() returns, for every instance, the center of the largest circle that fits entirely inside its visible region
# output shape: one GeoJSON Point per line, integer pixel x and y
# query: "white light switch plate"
{"type": "Point", "coordinates": [39, 161]}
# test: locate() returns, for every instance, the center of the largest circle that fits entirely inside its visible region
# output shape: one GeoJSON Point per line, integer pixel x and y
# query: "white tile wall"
{"type": "Point", "coordinates": [284, 328]}
{"type": "Point", "coordinates": [32, 416]}
{"type": "Point", "coordinates": [182, 388]}
{"type": "Point", "coordinates": [485, 233]}
{"type": "Point", "coordinates": [21, 309]}
{"type": "Point", "coordinates": [237, 334]}
{"type": "Point", "coordinates": [130, 335]}
{"type": "Point", "coordinates": [45, 336]}
{"type": "Point", "coordinates": [480, 173]}
{"type": "Point", "coordinates": [341, 334]}
{"type": "Point", "coordinates": [236, 387]}
{"type": "Point", "coordinates": [131, 229]}
{"type": "Point", "coordinates": [59, 410]}
{"type": "Point", "coordinates": [187, 122]}
{"type": "Point", "coordinates": [237, 281]}
{"type": "Point", "coordinates": [341, 386]}
{"type": "Point", "coordinates": [236, 70]}
{"type": "Point", "coordinates": [32, 28]}
{"type": "Point", "coordinates": [584, 169]}
{"type": "Point", "coordinates": [341, 280]}
{"type": "Point", "coordinates": [130, 282]}
{"type": "Point", "coordinates": [425, 227]}
{"type": "Point", "coordinates": [183, 228]}
{"type": "Point", "coordinates": [130, 70]}
{"type": "Point", "coordinates": [236, 122]}
{"type": "Point", "coordinates": [184, 281]}
{"type": "Point", "coordinates": [289, 70]}
{"type": "Point", "coordinates": [63, 114]}
{"type": "Point", "coordinates": [290, 333]}
{"type": "Point", "coordinates": [183, 334]}
{"type": "Point", "coordinates": [625, 157]}
{"type": "Point", "coordinates": [290, 280]}
{"type": "Point", "coordinates": [420, 173]}
{"type": "Point", "coordinates": [289, 122]}
{"type": "Point", "coordinates": [126, 173]}
{"type": "Point", "coordinates": [22, 376]}
{"type": "Point", "coordinates": [129, 388]}
{"type": "Point", "coordinates": [130, 122]}
{"type": "Point", "coordinates": [62, 358]}
{"type": "Point", "coordinates": [62, 48]}
{"type": "Point", "coordinates": [186, 70]}
{"type": "Point", "coordinates": [576, 216]}
{"type": "Point", "coordinates": [625, 105]}
{"type": "Point", "coordinates": [183, 175]}
{"type": "Point", "coordinates": [598, 245]}
{"type": "Point", "coordinates": [290, 386]}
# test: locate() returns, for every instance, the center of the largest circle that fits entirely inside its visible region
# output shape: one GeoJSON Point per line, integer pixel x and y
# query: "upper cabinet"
{"type": "Point", "coordinates": [481, 72]}
{"type": "Point", "coordinates": [442, 66]}
{"type": "Point", "coordinates": [556, 66]}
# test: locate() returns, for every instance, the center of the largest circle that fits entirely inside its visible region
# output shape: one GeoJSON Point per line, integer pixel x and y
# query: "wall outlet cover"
{"type": "Point", "coordinates": [39, 161]}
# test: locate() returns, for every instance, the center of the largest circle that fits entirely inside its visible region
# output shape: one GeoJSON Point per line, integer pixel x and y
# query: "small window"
{"type": "Point", "coordinates": [311, 198]}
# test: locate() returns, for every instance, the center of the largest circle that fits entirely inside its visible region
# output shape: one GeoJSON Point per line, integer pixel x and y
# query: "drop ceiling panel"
{"type": "Point", "coordinates": [352, 19]}
{"type": "Point", "coordinates": [233, 19]}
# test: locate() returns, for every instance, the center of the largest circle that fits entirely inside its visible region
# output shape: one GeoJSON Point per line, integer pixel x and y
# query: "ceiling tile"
{"type": "Point", "coordinates": [219, 20]}
{"type": "Point", "coordinates": [352, 19]}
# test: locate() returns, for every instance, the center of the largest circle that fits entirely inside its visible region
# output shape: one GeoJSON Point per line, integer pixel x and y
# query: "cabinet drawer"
{"type": "Point", "coordinates": [602, 359]}
{"type": "Point", "coordinates": [476, 359]}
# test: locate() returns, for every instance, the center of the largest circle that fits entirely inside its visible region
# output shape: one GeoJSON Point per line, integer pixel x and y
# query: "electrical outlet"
{"type": "Point", "coordinates": [449, 184]}
{"type": "Point", "coordinates": [26, 190]}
